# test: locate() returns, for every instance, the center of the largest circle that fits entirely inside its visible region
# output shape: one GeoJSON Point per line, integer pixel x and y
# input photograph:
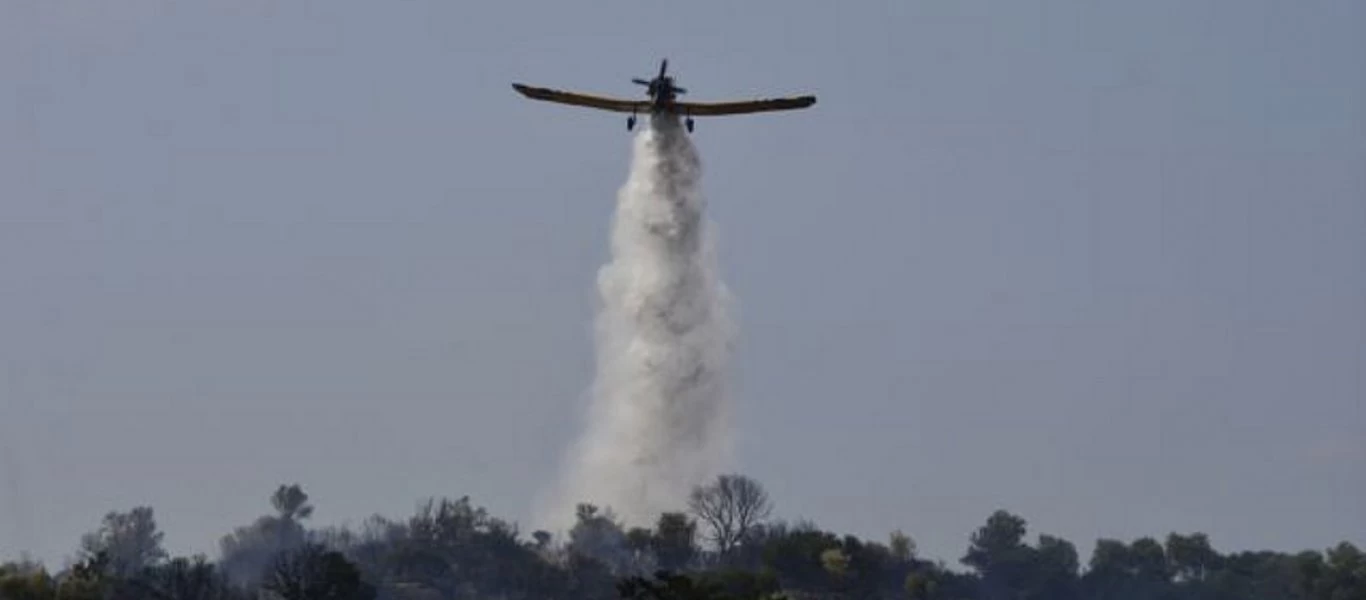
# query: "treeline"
{"type": "Point", "coordinates": [725, 545]}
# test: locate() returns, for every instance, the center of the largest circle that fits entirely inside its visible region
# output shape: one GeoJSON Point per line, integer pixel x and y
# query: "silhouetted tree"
{"type": "Point", "coordinates": [313, 572]}
{"type": "Point", "coordinates": [454, 549]}
{"type": "Point", "coordinates": [183, 578]}
{"type": "Point", "coordinates": [26, 581]}
{"type": "Point", "coordinates": [675, 541]}
{"type": "Point", "coordinates": [1053, 572]}
{"type": "Point", "coordinates": [291, 503]}
{"type": "Point", "coordinates": [794, 555]}
{"type": "Point", "coordinates": [729, 508]}
{"type": "Point", "coordinates": [598, 535]}
{"type": "Point", "coordinates": [248, 551]}
{"type": "Point", "coordinates": [902, 546]}
{"type": "Point", "coordinates": [999, 555]}
{"type": "Point", "coordinates": [129, 540]}
{"type": "Point", "coordinates": [1190, 558]}
{"type": "Point", "coordinates": [672, 586]}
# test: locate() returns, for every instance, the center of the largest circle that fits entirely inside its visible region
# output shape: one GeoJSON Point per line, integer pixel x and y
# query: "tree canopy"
{"type": "Point", "coordinates": [725, 546]}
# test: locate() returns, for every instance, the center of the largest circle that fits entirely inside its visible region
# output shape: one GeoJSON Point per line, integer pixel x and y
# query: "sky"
{"type": "Point", "coordinates": [1098, 263]}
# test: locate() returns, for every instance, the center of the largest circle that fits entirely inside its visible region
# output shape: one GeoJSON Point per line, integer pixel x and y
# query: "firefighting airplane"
{"type": "Point", "coordinates": [663, 98]}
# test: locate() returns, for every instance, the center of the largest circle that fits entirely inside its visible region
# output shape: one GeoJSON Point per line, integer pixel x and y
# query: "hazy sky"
{"type": "Point", "coordinates": [1100, 263]}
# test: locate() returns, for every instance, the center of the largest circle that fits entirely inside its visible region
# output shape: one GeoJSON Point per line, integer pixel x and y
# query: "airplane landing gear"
{"type": "Point", "coordinates": [688, 122]}
{"type": "Point", "coordinates": [630, 122]}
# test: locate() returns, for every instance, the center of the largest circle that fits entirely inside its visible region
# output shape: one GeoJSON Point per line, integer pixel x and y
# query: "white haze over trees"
{"type": "Point", "coordinates": [658, 421]}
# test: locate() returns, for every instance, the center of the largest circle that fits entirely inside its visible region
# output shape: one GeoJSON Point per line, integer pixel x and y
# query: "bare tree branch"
{"type": "Point", "coordinates": [729, 508]}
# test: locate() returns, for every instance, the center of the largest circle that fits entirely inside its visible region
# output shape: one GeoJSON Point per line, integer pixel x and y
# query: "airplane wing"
{"type": "Point", "coordinates": [599, 102]}
{"type": "Point", "coordinates": [707, 109]}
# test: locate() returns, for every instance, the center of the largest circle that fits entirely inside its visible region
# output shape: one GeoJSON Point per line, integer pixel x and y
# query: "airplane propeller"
{"type": "Point", "coordinates": [661, 78]}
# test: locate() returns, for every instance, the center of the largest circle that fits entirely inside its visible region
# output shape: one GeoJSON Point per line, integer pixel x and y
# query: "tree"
{"type": "Point", "coordinates": [313, 572]}
{"type": "Point", "coordinates": [742, 583]}
{"type": "Point", "coordinates": [291, 503]}
{"type": "Point", "coordinates": [997, 543]}
{"type": "Point", "coordinates": [598, 535]}
{"type": "Point", "coordinates": [542, 538]}
{"type": "Point", "coordinates": [249, 550]}
{"type": "Point", "coordinates": [920, 586]}
{"type": "Point", "coordinates": [1344, 576]}
{"type": "Point", "coordinates": [729, 508]}
{"type": "Point", "coordinates": [587, 577]}
{"type": "Point", "coordinates": [1121, 571]}
{"type": "Point", "coordinates": [26, 581]}
{"type": "Point", "coordinates": [670, 586]}
{"type": "Point", "coordinates": [1190, 557]}
{"type": "Point", "coordinates": [795, 556]}
{"type": "Point", "coordinates": [184, 578]}
{"type": "Point", "coordinates": [453, 548]}
{"type": "Point", "coordinates": [675, 541]}
{"type": "Point", "coordinates": [835, 562]}
{"type": "Point", "coordinates": [998, 553]}
{"type": "Point", "coordinates": [1054, 569]}
{"type": "Point", "coordinates": [129, 540]}
{"type": "Point", "coordinates": [1107, 574]}
{"type": "Point", "coordinates": [934, 582]}
{"type": "Point", "coordinates": [902, 546]}
{"type": "Point", "coordinates": [640, 547]}
{"type": "Point", "coordinates": [667, 586]}
{"type": "Point", "coordinates": [1149, 561]}
{"type": "Point", "coordinates": [88, 579]}
{"type": "Point", "coordinates": [448, 523]}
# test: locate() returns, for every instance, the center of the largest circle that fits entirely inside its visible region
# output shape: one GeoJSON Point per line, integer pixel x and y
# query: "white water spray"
{"type": "Point", "coordinates": [658, 422]}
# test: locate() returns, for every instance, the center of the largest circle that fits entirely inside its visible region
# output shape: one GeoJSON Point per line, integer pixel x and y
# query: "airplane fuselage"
{"type": "Point", "coordinates": [662, 94]}
{"type": "Point", "coordinates": [663, 98]}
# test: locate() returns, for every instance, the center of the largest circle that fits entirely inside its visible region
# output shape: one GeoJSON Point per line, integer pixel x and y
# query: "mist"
{"type": "Point", "coordinates": [658, 421]}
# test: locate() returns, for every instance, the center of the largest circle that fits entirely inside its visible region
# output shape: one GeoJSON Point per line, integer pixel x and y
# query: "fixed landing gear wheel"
{"type": "Point", "coordinates": [689, 124]}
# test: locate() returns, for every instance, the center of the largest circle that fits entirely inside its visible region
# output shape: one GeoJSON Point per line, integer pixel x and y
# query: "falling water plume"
{"type": "Point", "coordinates": [658, 420]}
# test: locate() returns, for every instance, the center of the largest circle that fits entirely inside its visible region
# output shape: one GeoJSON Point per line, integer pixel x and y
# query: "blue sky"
{"type": "Point", "coordinates": [1102, 264]}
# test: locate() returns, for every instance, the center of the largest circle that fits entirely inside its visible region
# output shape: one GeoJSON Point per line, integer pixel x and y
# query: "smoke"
{"type": "Point", "coordinates": [658, 420]}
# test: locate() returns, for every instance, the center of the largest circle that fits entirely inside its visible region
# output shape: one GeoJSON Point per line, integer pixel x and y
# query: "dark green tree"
{"type": "Point", "coordinates": [1344, 574]}
{"type": "Point", "coordinates": [26, 581]}
{"type": "Point", "coordinates": [88, 579]}
{"type": "Point", "coordinates": [999, 555]}
{"type": "Point", "coordinates": [598, 535]}
{"type": "Point", "coordinates": [313, 572]}
{"type": "Point", "coordinates": [1127, 571]}
{"type": "Point", "coordinates": [794, 556]}
{"type": "Point", "coordinates": [1190, 558]}
{"type": "Point", "coordinates": [671, 586]}
{"type": "Point", "coordinates": [901, 546]}
{"type": "Point", "coordinates": [182, 578]}
{"type": "Point", "coordinates": [639, 543]}
{"type": "Point", "coordinates": [1054, 570]}
{"type": "Point", "coordinates": [674, 541]}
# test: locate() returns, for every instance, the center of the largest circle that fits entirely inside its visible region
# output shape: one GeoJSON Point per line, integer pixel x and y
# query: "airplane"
{"type": "Point", "coordinates": [663, 96]}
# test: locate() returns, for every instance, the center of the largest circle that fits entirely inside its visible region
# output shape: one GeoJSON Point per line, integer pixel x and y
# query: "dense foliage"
{"type": "Point", "coordinates": [725, 546]}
